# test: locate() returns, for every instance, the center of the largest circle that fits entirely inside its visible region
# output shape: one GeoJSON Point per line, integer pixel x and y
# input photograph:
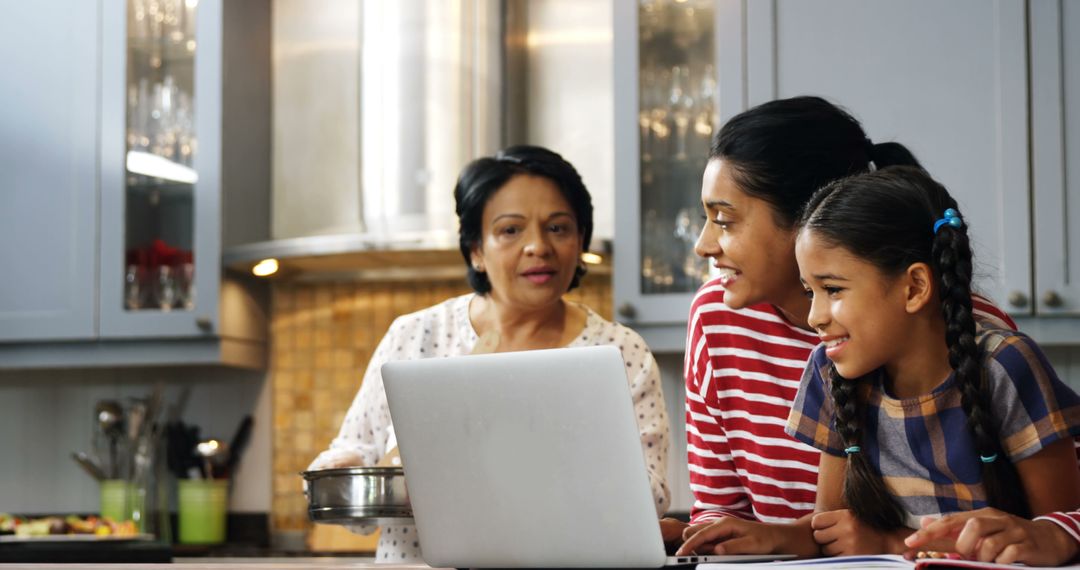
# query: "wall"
{"type": "Point", "coordinates": [47, 414]}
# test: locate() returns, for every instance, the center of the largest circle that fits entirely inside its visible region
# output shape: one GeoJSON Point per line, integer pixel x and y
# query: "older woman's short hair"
{"type": "Point", "coordinates": [482, 177]}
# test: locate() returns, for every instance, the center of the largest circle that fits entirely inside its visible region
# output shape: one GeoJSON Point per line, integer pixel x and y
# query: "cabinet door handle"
{"type": "Point", "coordinates": [204, 323]}
{"type": "Point", "coordinates": [1052, 299]}
{"type": "Point", "coordinates": [1018, 299]}
{"type": "Point", "coordinates": [627, 311]}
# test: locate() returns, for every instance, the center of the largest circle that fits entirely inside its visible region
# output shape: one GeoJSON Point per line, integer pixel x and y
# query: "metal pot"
{"type": "Point", "coordinates": [358, 495]}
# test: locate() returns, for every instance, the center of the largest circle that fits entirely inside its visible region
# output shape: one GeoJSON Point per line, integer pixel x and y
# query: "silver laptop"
{"type": "Point", "coordinates": [527, 459]}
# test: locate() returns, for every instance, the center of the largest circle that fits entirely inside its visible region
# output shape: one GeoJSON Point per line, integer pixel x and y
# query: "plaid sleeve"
{"type": "Point", "coordinates": [1034, 406]}
{"type": "Point", "coordinates": [812, 418]}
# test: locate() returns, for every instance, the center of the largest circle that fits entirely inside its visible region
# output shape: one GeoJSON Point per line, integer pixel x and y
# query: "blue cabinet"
{"type": "Point", "coordinates": [48, 170]}
{"type": "Point", "coordinates": [114, 186]}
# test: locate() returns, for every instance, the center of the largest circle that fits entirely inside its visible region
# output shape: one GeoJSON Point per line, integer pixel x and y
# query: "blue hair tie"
{"type": "Point", "coordinates": [951, 218]}
{"type": "Point", "coordinates": [988, 458]}
{"type": "Point", "coordinates": [853, 449]}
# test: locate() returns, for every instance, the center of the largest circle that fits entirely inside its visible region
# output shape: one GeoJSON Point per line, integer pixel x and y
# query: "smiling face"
{"type": "Point", "coordinates": [860, 313]}
{"type": "Point", "coordinates": [530, 243]}
{"type": "Point", "coordinates": [755, 256]}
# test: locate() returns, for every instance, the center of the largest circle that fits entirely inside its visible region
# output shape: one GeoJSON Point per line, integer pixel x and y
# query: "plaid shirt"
{"type": "Point", "coordinates": [921, 445]}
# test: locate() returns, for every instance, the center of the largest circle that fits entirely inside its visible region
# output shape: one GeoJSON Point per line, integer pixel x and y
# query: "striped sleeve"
{"type": "Point", "coordinates": [1070, 522]}
{"type": "Point", "coordinates": [714, 481]}
{"type": "Point", "coordinates": [742, 372]}
{"type": "Point", "coordinates": [987, 312]}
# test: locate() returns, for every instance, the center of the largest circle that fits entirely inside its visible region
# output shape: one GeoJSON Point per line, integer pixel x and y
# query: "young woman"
{"type": "Point", "coordinates": [918, 410]}
{"type": "Point", "coordinates": [747, 339]}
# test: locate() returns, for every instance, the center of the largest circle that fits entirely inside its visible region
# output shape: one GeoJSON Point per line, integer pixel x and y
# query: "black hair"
{"type": "Point", "coordinates": [887, 218]}
{"type": "Point", "coordinates": [481, 178]}
{"type": "Point", "coordinates": [784, 150]}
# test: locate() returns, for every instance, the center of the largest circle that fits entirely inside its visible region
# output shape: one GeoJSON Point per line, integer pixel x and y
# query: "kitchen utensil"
{"type": "Point", "coordinates": [351, 495]}
{"type": "Point", "coordinates": [110, 417]}
{"type": "Point", "coordinates": [237, 444]}
{"type": "Point", "coordinates": [88, 465]}
{"type": "Point", "coordinates": [214, 454]}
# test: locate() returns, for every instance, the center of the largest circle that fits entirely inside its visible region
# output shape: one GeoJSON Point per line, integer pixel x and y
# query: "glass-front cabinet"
{"type": "Point", "coordinates": [133, 162]}
{"type": "Point", "coordinates": [161, 178]}
{"type": "Point", "coordinates": [666, 49]}
{"type": "Point", "coordinates": [160, 148]}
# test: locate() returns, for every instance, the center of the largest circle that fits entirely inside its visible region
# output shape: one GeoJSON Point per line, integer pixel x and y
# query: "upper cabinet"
{"type": "Point", "coordinates": [948, 80]}
{"type": "Point", "coordinates": [135, 161]}
{"type": "Point", "coordinates": [48, 170]}
{"type": "Point", "coordinates": [161, 168]}
{"type": "Point", "coordinates": [1055, 151]}
{"type": "Point", "coordinates": [666, 110]}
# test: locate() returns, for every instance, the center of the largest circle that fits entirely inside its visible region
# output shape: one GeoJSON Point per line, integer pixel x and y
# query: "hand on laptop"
{"type": "Point", "coordinates": [729, 536]}
{"type": "Point", "coordinates": [672, 531]}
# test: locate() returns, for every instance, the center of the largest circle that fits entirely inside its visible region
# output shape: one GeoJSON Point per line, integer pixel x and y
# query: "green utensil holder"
{"type": "Point", "coordinates": [117, 499]}
{"type": "Point", "coordinates": [202, 508]}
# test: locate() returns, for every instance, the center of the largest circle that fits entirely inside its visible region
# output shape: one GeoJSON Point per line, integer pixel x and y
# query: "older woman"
{"type": "Point", "coordinates": [525, 218]}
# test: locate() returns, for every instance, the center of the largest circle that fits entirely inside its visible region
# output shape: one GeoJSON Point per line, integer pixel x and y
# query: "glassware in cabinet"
{"type": "Point", "coordinates": [160, 149]}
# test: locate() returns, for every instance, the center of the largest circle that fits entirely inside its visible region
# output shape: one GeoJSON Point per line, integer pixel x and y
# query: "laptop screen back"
{"type": "Point", "coordinates": [524, 459]}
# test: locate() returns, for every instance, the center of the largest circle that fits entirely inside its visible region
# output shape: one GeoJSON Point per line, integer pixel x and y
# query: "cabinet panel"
{"type": "Point", "coordinates": [666, 109]}
{"type": "Point", "coordinates": [1055, 131]}
{"type": "Point", "coordinates": [48, 172]}
{"type": "Point", "coordinates": [948, 80]}
{"type": "Point", "coordinates": [136, 209]}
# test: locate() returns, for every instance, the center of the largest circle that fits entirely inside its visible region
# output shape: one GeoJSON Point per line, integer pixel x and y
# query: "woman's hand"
{"type": "Point", "coordinates": [672, 532]}
{"type": "Point", "coordinates": [990, 535]}
{"type": "Point", "coordinates": [672, 529]}
{"type": "Point", "coordinates": [336, 458]}
{"type": "Point", "coordinates": [841, 533]}
{"type": "Point", "coordinates": [729, 536]}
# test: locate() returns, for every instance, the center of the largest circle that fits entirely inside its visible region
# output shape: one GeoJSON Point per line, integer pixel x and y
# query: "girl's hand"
{"type": "Point", "coordinates": [840, 533]}
{"type": "Point", "coordinates": [990, 535]}
{"type": "Point", "coordinates": [728, 536]}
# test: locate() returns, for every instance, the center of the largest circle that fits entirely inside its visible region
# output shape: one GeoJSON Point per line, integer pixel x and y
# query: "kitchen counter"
{"type": "Point", "coordinates": [284, 563]}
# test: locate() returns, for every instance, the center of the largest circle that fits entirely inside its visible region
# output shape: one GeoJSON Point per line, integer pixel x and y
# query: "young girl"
{"type": "Point", "coordinates": [918, 411]}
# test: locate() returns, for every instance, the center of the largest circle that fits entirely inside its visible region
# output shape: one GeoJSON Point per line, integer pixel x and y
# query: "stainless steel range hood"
{"type": "Point", "coordinates": [377, 106]}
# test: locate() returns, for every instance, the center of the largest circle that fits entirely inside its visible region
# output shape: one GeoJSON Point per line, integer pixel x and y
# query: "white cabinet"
{"type": "Point", "coordinates": [48, 170]}
{"type": "Point", "coordinates": [950, 80]}
{"type": "Point", "coordinates": [120, 172]}
{"type": "Point", "coordinates": [1055, 151]}
{"type": "Point", "coordinates": [946, 79]}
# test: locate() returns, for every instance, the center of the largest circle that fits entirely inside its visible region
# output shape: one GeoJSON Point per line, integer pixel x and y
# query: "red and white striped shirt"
{"type": "Point", "coordinates": [742, 372]}
{"type": "Point", "coordinates": [1068, 521]}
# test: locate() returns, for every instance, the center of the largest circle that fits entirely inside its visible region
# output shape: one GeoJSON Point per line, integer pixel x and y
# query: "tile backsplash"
{"type": "Point", "coordinates": [322, 336]}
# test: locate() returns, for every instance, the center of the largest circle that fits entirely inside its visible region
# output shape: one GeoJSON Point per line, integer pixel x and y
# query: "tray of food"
{"type": "Point", "coordinates": [67, 529]}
